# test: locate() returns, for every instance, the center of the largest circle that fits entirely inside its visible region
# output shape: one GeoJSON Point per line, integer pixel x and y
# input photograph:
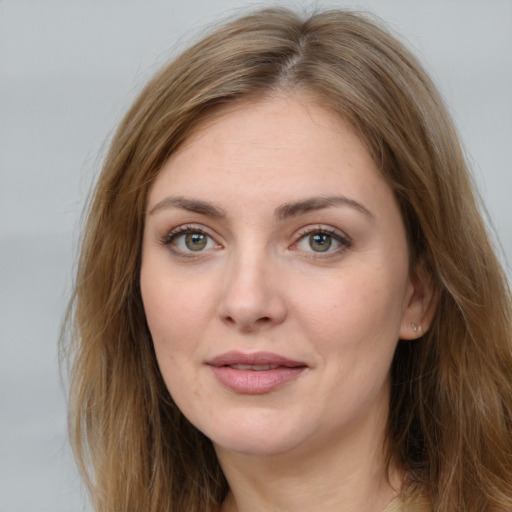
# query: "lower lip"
{"type": "Point", "coordinates": [253, 382]}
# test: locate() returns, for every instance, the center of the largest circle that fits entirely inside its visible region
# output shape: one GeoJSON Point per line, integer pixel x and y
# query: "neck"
{"type": "Point", "coordinates": [348, 474]}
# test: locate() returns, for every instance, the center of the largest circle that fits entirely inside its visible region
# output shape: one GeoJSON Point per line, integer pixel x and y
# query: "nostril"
{"type": "Point", "coordinates": [262, 321]}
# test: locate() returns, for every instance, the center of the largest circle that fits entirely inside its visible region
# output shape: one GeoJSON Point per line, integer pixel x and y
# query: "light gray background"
{"type": "Point", "coordinates": [68, 70]}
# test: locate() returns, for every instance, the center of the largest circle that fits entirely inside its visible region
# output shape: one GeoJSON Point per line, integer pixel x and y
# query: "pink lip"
{"type": "Point", "coordinates": [254, 381]}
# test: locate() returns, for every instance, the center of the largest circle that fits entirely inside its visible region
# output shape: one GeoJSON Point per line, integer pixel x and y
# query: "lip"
{"type": "Point", "coordinates": [254, 373]}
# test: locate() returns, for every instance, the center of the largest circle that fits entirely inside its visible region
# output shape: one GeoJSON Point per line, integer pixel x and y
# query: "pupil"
{"type": "Point", "coordinates": [320, 242]}
{"type": "Point", "coordinates": [195, 241]}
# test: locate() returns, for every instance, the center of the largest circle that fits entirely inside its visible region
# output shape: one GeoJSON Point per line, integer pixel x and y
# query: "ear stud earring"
{"type": "Point", "coordinates": [415, 327]}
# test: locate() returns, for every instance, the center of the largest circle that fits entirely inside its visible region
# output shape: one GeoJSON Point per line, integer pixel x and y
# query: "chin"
{"type": "Point", "coordinates": [254, 435]}
{"type": "Point", "coordinates": [255, 445]}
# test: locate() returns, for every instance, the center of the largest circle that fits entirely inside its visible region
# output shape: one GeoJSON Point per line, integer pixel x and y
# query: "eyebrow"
{"type": "Point", "coordinates": [190, 205]}
{"type": "Point", "coordinates": [285, 211]}
{"type": "Point", "coordinates": [294, 209]}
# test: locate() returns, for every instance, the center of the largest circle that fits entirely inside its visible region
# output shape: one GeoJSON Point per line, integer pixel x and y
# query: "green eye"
{"type": "Point", "coordinates": [320, 242]}
{"type": "Point", "coordinates": [191, 241]}
{"type": "Point", "coordinates": [196, 241]}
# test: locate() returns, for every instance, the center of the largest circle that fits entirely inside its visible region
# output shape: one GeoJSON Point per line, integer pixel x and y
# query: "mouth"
{"type": "Point", "coordinates": [258, 361]}
{"type": "Point", "coordinates": [256, 373]}
{"type": "Point", "coordinates": [253, 367]}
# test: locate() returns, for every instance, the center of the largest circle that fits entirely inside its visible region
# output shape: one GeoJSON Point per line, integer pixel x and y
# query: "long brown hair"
{"type": "Point", "coordinates": [450, 421]}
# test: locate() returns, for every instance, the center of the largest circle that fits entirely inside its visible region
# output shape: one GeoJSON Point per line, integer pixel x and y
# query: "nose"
{"type": "Point", "coordinates": [252, 296]}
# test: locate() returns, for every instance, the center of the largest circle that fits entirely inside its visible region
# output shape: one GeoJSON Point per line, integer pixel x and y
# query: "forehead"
{"type": "Point", "coordinates": [283, 137]}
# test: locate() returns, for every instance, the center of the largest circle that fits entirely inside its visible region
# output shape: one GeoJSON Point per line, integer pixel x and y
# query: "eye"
{"type": "Point", "coordinates": [322, 241]}
{"type": "Point", "coordinates": [192, 241]}
{"type": "Point", "coordinates": [188, 240]}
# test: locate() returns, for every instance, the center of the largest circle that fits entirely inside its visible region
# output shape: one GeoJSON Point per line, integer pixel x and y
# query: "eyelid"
{"type": "Point", "coordinates": [170, 236]}
{"type": "Point", "coordinates": [344, 240]}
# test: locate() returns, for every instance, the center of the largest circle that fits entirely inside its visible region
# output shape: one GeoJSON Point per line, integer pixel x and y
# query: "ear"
{"type": "Point", "coordinates": [420, 306]}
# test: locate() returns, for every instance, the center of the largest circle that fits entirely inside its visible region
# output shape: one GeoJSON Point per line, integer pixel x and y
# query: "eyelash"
{"type": "Point", "coordinates": [344, 242]}
{"type": "Point", "coordinates": [170, 238]}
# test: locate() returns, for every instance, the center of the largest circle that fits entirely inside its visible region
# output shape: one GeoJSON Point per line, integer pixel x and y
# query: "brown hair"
{"type": "Point", "coordinates": [450, 422]}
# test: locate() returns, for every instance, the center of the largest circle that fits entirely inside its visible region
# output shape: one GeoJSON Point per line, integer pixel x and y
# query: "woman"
{"type": "Point", "coordinates": [286, 296]}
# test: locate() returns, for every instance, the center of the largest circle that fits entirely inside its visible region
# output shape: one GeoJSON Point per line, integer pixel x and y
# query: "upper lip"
{"type": "Point", "coordinates": [255, 358]}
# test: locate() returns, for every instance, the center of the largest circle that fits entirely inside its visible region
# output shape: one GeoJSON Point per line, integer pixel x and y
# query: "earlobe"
{"type": "Point", "coordinates": [416, 328]}
{"type": "Point", "coordinates": [421, 304]}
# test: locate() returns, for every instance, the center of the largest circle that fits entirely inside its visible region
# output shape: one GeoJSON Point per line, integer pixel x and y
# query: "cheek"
{"type": "Point", "coordinates": [179, 308]}
{"type": "Point", "coordinates": [354, 321]}
{"type": "Point", "coordinates": [176, 305]}
{"type": "Point", "coordinates": [165, 312]}
{"type": "Point", "coordinates": [171, 315]}
{"type": "Point", "coordinates": [354, 303]}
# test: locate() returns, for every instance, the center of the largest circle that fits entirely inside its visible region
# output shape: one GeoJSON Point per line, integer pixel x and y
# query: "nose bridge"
{"type": "Point", "coordinates": [252, 296]}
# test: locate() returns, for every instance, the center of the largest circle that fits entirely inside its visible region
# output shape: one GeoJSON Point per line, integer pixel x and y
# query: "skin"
{"type": "Point", "coordinates": [260, 284]}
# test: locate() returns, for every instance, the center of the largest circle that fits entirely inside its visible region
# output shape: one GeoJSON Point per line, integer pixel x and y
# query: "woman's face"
{"type": "Point", "coordinates": [275, 279]}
